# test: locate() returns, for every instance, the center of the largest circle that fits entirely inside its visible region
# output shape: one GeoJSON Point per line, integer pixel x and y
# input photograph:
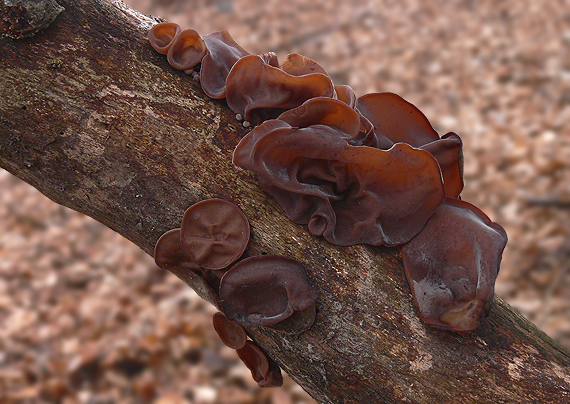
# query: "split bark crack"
{"type": "Point", "coordinates": [113, 132]}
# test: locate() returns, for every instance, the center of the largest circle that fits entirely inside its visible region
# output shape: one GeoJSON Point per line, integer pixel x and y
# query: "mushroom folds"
{"type": "Point", "coordinates": [452, 266]}
{"type": "Point", "coordinates": [269, 291]}
{"type": "Point", "coordinates": [348, 194]}
{"type": "Point", "coordinates": [259, 91]}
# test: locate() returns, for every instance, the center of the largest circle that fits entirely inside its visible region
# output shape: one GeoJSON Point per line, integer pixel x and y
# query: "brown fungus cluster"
{"type": "Point", "coordinates": [368, 170]}
{"type": "Point", "coordinates": [270, 290]}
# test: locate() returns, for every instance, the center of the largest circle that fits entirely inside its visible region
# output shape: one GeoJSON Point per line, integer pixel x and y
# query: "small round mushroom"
{"type": "Point", "coordinates": [452, 265]}
{"type": "Point", "coordinates": [270, 291]}
{"type": "Point", "coordinates": [169, 254]}
{"type": "Point", "coordinates": [264, 370]}
{"type": "Point", "coordinates": [214, 233]}
{"type": "Point", "coordinates": [231, 333]}
{"type": "Point", "coordinates": [161, 36]}
{"type": "Point", "coordinates": [186, 50]}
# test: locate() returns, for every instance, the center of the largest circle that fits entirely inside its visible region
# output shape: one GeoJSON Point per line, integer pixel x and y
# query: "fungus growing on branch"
{"type": "Point", "coordinates": [231, 333]}
{"type": "Point", "coordinates": [452, 265]}
{"type": "Point", "coordinates": [264, 370]}
{"type": "Point", "coordinates": [269, 291]}
{"type": "Point", "coordinates": [161, 36]}
{"type": "Point", "coordinates": [259, 91]}
{"type": "Point", "coordinates": [186, 50]}
{"type": "Point", "coordinates": [214, 233]}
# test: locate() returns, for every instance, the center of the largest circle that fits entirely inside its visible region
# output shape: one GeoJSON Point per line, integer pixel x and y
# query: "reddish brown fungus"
{"type": "Point", "coordinates": [346, 94]}
{"type": "Point", "coordinates": [397, 121]}
{"type": "Point", "coordinates": [214, 233]}
{"type": "Point", "coordinates": [270, 58]}
{"type": "Point", "coordinates": [259, 91]}
{"type": "Point", "coordinates": [270, 291]}
{"type": "Point", "coordinates": [264, 370]}
{"type": "Point", "coordinates": [452, 264]}
{"type": "Point", "coordinates": [168, 252]}
{"type": "Point", "coordinates": [299, 65]}
{"type": "Point", "coordinates": [348, 194]}
{"type": "Point", "coordinates": [231, 333]}
{"type": "Point", "coordinates": [223, 53]}
{"type": "Point", "coordinates": [161, 36]}
{"type": "Point", "coordinates": [186, 50]}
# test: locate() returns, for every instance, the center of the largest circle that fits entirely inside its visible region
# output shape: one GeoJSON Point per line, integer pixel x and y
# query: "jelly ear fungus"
{"type": "Point", "coordinates": [214, 233]}
{"type": "Point", "coordinates": [269, 291]}
{"type": "Point", "coordinates": [161, 36]}
{"type": "Point", "coordinates": [452, 265]}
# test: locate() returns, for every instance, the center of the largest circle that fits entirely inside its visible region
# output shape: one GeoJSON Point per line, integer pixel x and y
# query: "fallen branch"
{"type": "Point", "coordinates": [96, 120]}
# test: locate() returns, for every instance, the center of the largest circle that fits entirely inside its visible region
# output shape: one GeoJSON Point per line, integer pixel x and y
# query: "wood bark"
{"type": "Point", "coordinates": [99, 122]}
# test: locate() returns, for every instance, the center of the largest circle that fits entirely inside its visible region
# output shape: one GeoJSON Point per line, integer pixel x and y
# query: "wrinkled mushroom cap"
{"type": "Point", "coordinates": [161, 36]}
{"type": "Point", "coordinates": [214, 233]}
{"type": "Point", "coordinates": [270, 291]}
{"type": "Point", "coordinates": [452, 265]}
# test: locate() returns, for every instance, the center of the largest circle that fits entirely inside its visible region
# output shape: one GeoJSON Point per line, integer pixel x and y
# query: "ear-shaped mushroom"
{"type": "Point", "coordinates": [214, 233]}
{"type": "Point", "coordinates": [161, 36]}
{"type": "Point", "coordinates": [259, 91]}
{"type": "Point", "coordinates": [348, 194]}
{"type": "Point", "coordinates": [396, 119]}
{"type": "Point", "coordinates": [299, 65]}
{"type": "Point", "coordinates": [231, 333]}
{"type": "Point", "coordinates": [223, 53]}
{"type": "Point", "coordinates": [264, 370]}
{"type": "Point", "coordinates": [186, 50]}
{"type": "Point", "coordinates": [452, 264]}
{"type": "Point", "coordinates": [270, 58]}
{"type": "Point", "coordinates": [269, 291]}
{"type": "Point", "coordinates": [169, 254]}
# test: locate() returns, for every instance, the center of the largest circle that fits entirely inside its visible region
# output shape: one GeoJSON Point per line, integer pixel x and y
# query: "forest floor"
{"type": "Point", "coordinates": [87, 317]}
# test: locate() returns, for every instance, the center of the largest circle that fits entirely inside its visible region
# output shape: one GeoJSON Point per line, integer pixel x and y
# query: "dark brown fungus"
{"type": "Point", "coordinates": [348, 194]}
{"type": "Point", "coordinates": [397, 121]}
{"type": "Point", "coordinates": [168, 252]}
{"type": "Point", "coordinates": [269, 291]}
{"type": "Point", "coordinates": [231, 333]}
{"type": "Point", "coordinates": [452, 264]}
{"type": "Point", "coordinates": [223, 53]}
{"type": "Point", "coordinates": [214, 233]}
{"type": "Point", "coordinates": [161, 36]}
{"type": "Point", "coordinates": [259, 91]}
{"type": "Point", "coordinates": [264, 370]}
{"type": "Point", "coordinates": [186, 50]}
{"type": "Point", "coordinates": [299, 65]}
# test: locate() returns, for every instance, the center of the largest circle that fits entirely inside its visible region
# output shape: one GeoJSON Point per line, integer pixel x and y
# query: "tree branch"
{"type": "Point", "coordinates": [97, 121]}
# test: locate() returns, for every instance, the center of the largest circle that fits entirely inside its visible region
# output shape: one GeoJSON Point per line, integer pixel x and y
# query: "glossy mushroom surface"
{"type": "Point", "coordinates": [264, 370]}
{"type": "Point", "coordinates": [231, 333]}
{"type": "Point", "coordinates": [259, 91]}
{"type": "Point", "coordinates": [269, 291]}
{"type": "Point", "coordinates": [161, 36]}
{"type": "Point", "coordinates": [299, 65]}
{"type": "Point", "coordinates": [452, 265]}
{"type": "Point", "coordinates": [186, 50]}
{"type": "Point", "coordinates": [223, 53]}
{"type": "Point", "coordinates": [168, 252]}
{"type": "Point", "coordinates": [395, 120]}
{"type": "Point", "coordinates": [214, 233]}
{"type": "Point", "coordinates": [348, 194]}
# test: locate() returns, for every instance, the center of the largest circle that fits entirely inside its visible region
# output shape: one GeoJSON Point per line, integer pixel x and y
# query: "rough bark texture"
{"type": "Point", "coordinates": [96, 120]}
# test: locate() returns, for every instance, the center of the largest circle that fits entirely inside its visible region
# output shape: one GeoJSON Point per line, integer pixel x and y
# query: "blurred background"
{"type": "Point", "coordinates": [86, 317]}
